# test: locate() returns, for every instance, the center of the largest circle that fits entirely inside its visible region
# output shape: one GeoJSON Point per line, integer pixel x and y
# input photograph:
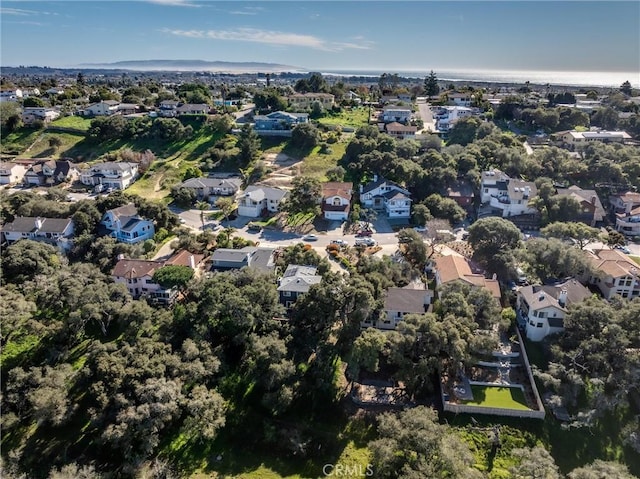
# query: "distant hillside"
{"type": "Point", "coordinates": [193, 65]}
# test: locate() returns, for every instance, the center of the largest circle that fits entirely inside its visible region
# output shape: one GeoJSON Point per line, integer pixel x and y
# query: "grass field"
{"type": "Point", "coordinates": [354, 118]}
{"type": "Point", "coordinates": [76, 122]}
{"type": "Point", "coordinates": [317, 164]}
{"type": "Point", "coordinates": [498, 397]}
{"type": "Point", "coordinates": [635, 258]}
{"type": "Point", "coordinates": [18, 141]}
{"type": "Point", "coordinates": [42, 149]}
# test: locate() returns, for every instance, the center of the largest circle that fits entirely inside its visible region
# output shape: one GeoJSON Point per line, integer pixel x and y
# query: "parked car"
{"type": "Point", "coordinates": [339, 242]}
{"type": "Point", "coordinates": [624, 249]}
{"type": "Point", "coordinates": [310, 238]}
{"type": "Point", "coordinates": [421, 229]}
{"type": "Point", "coordinates": [254, 227]}
{"type": "Point", "coordinates": [365, 241]}
{"type": "Point", "coordinates": [364, 233]}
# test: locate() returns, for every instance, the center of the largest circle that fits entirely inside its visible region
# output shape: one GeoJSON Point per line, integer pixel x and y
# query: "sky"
{"type": "Point", "coordinates": [329, 36]}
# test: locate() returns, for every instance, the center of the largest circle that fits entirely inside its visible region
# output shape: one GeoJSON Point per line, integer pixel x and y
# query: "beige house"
{"type": "Point", "coordinates": [582, 138]}
{"type": "Point", "coordinates": [336, 200]}
{"type": "Point", "coordinates": [457, 268]}
{"type": "Point", "coordinates": [306, 100]}
{"type": "Point", "coordinates": [400, 131]}
{"type": "Point", "coordinates": [11, 173]}
{"type": "Point", "coordinates": [615, 274]}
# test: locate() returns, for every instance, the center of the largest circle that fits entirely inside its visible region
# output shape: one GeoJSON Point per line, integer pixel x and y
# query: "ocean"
{"type": "Point", "coordinates": [569, 78]}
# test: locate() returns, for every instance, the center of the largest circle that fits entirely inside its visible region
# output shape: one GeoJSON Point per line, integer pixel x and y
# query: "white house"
{"type": "Point", "coordinates": [295, 282]}
{"type": "Point", "coordinates": [10, 95]}
{"type": "Point", "coordinates": [168, 108]}
{"type": "Point", "coordinates": [55, 231]}
{"type": "Point", "coordinates": [447, 116]}
{"type": "Point", "coordinates": [581, 138]}
{"type": "Point", "coordinates": [625, 202]}
{"type": "Point", "coordinates": [400, 114]}
{"type": "Point", "coordinates": [542, 308]}
{"type": "Point", "coordinates": [382, 194]}
{"type": "Point", "coordinates": [11, 173]}
{"type": "Point", "coordinates": [616, 274]}
{"type": "Point", "coordinates": [256, 200]}
{"type": "Point", "coordinates": [336, 200]}
{"type": "Point", "coordinates": [117, 175]}
{"type": "Point", "coordinates": [126, 225]}
{"type": "Point", "coordinates": [629, 223]}
{"type": "Point", "coordinates": [506, 196]}
{"type": "Point", "coordinates": [31, 114]}
{"type": "Point", "coordinates": [398, 303]}
{"type": "Point", "coordinates": [400, 131]}
{"type": "Point", "coordinates": [50, 172]}
{"type": "Point", "coordinates": [103, 108]}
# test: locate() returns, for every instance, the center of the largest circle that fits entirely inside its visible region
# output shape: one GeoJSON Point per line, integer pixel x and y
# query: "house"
{"type": "Point", "coordinates": [399, 302]}
{"type": "Point", "coordinates": [10, 95]}
{"type": "Point", "coordinates": [55, 91]}
{"type": "Point", "coordinates": [11, 173]}
{"type": "Point", "coordinates": [395, 113]}
{"type": "Point", "coordinates": [461, 191]}
{"type": "Point", "coordinates": [193, 109]}
{"type": "Point", "coordinates": [615, 274]}
{"type": "Point", "coordinates": [128, 109]}
{"type": "Point", "coordinates": [50, 172]}
{"type": "Point", "coordinates": [205, 187]}
{"type": "Point", "coordinates": [278, 121]}
{"type": "Point", "coordinates": [336, 200]}
{"type": "Point", "coordinates": [306, 100]}
{"type": "Point", "coordinates": [400, 131]}
{"type": "Point", "coordinates": [125, 225]}
{"type": "Point", "coordinates": [382, 194]}
{"type": "Point", "coordinates": [629, 223]}
{"type": "Point", "coordinates": [591, 210]}
{"type": "Point", "coordinates": [262, 259]}
{"type": "Point", "coordinates": [31, 114]}
{"type": "Point", "coordinates": [117, 175]}
{"type": "Point", "coordinates": [296, 281]}
{"type": "Point", "coordinates": [353, 96]}
{"type": "Point", "coordinates": [258, 200]}
{"type": "Point", "coordinates": [624, 202]}
{"type": "Point", "coordinates": [541, 309]}
{"type": "Point", "coordinates": [506, 196]}
{"type": "Point", "coordinates": [447, 116]}
{"type": "Point", "coordinates": [137, 276]}
{"type": "Point", "coordinates": [168, 108]}
{"type": "Point", "coordinates": [102, 108]}
{"type": "Point", "coordinates": [55, 231]}
{"type": "Point", "coordinates": [457, 268]}
{"type": "Point", "coordinates": [460, 99]}
{"type": "Point", "coordinates": [581, 138]}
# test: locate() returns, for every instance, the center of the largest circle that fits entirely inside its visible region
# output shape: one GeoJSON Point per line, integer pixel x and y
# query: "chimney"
{"type": "Point", "coordinates": [527, 191]}
{"type": "Point", "coordinates": [562, 299]}
{"type": "Point", "coordinates": [494, 276]}
{"type": "Point", "coordinates": [38, 223]}
{"type": "Point", "coordinates": [361, 187]}
{"type": "Point", "coordinates": [120, 256]}
{"type": "Point", "coordinates": [192, 262]}
{"type": "Point", "coordinates": [593, 199]}
{"type": "Point", "coordinates": [375, 178]}
{"type": "Point", "coordinates": [628, 207]}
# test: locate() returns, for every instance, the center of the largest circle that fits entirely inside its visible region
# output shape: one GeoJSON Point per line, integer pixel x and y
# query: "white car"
{"type": "Point", "coordinates": [624, 249]}
{"type": "Point", "coordinates": [420, 229]}
{"type": "Point", "coordinates": [310, 238]}
{"type": "Point", "coordinates": [339, 242]}
{"type": "Point", "coordinates": [365, 241]}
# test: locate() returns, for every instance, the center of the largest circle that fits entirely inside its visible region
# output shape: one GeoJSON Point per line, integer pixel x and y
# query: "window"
{"type": "Point", "coordinates": [539, 325]}
{"type": "Point", "coordinates": [286, 293]}
{"type": "Point", "coordinates": [542, 314]}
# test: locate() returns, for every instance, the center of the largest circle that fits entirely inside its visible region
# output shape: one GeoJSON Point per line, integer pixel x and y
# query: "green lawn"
{"type": "Point", "coordinates": [354, 118]}
{"type": "Point", "coordinates": [300, 219]}
{"type": "Point", "coordinates": [42, 149]}
{"type": "Point", "coordinates": [76, 122]}
{"type": "Point", "coordinates": [635, 258]}
{"type": "Point", "coordinates": [17, 141]}
{"type": "Point", "coordinates": [498, 397]}
{"type": "Point", "coordinates": [317, 164]}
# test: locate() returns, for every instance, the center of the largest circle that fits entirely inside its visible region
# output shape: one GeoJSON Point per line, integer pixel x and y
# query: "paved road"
{"type": "Point", "coordinates": [426, 115]}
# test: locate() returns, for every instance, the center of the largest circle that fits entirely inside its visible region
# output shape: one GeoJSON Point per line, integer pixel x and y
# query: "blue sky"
{"type": "Point", "coordinates": [334, 35]}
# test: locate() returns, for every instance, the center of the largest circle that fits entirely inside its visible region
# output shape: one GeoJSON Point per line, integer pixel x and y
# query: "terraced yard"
{"type": "Point", "coordinates": [498, 397]}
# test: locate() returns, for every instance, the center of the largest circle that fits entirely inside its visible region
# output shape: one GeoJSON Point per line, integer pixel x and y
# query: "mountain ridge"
{"type": "Point", "coordinates": [193, 65]}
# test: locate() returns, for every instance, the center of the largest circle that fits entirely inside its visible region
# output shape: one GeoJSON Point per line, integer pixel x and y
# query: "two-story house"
{"type": "Point", "coordinates": [11, 173]}
{"type": "Point", "coordinates": [385, 195]}
{"type": "Point", "coordinates": [626, 208]}
{"type": "Point", "coordinates": [50, 172]}
{"type": "Point", "coordinates": [461, 191]}
{"type": "Point", "coordinates": [306, 100]}
{"type": "Point", "coordinates": [506, 196]}
{"type": "Point", "coordinates": [55, 231]}
{"type": "Point", "coordinates": [296, 281]}
{"type": "Point", "coordinates": [102, 108]}
{"type": "Point", "coordinates": [448, 116]}
{"type": "Point", "coordinates": [262, 259]}
{"type": "Point", "coordinates": [624, 202]}
{"type": "Point", "coordinates": [336, 200]}
{"type": "Point", "coordinates": [395, 113]}
{"type": "Point", "coordinates": [31, 114]}
{"type": "Point", "coordinates": [400, 131]}
{"type": "Point", "coordinates": [258, 200]}
{"type": "Point", "coordinates": [541, 309]}
{"type": "Point", "coordinates": [278, 121]}
{"type": "Point", "coordinates": [614, 274]}
{"type": "Point", "coordinates": [117, 175]}
{"type": "Point", "coordinates": [168, 108]}
{"type": "Point", "coordinates": [207, 187]}
{"type": "Point", "coordinates": [457, 268]}
{"type": "Point", "coordinates": [591, 210]}
{"type": "Point", "coordinates": [137, 276]}
{"type": "Point", "coordinates": [460, 98]}
{"type": "Point", "coordinates": [125, 225]}
{"type": "Point", "coordinates": [398, 303]}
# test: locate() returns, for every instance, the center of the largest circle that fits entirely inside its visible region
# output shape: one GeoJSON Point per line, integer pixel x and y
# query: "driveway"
{"type": "Point", "coordinates": [426, 115]}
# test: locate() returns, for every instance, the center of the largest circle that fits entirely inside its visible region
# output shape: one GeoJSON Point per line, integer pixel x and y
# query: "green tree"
{"type": "Point", "coordinates": [580, 232]}
{"type": "Point", "coordinates": [366, 352]}
{"type": "Point", "coordinates": [25, 259]}
{"type": "Point", "coordinates": [202, 206]}
{"type": "Point", "coordinates": [183, 196]}
{"type": "Point", "coordinates": [493, 241]}
{"type": "Point", "coordinates": [534, 463]}
{"type": "Point", "coordinates": [249, 145]}
{"type": "Point", "coordinates": [226, 205]}
{"type": "Point", "coordinates": [626, 88]}
{"type": "Point", "coordinates": [431, 87]}
{"type": "Point", "coordinates": [601, 470]}
{"type": "Point", "coordinates": [305, 136]}
{"type": "Point", "coordinates": [421, 214]}
{"type": "Point", "coordinates": [464, 131]}
{"type": "Point", "coordinates": [172, 276]}
{"type": "Point", "coordinates": [413, 247]}
{"type": "Point", "coordinates": [305, 195]}
{"type": "Point", "coordinates": [33, 101]}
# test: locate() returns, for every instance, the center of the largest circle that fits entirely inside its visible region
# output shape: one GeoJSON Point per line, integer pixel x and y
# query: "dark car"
{"type": "Point", "coordinates": [254, 227]}
{"type": "Point", "coordinates": [364, 233]}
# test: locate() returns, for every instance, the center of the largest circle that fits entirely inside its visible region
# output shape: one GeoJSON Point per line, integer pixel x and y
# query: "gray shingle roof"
{"type": "Point", "coordinates": [25, 224]}
{"type": "Point", "coordinates": [406, 300]}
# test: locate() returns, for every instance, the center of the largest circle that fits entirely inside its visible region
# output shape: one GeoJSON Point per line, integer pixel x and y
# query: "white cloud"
{"type": "Point", "coordinates": [271, 38]}
{"type": "Point", "coordinates": [22, 12]}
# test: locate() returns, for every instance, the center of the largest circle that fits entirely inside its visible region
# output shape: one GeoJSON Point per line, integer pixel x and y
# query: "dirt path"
{"type": "Point", "coordinates": [285, 169]}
